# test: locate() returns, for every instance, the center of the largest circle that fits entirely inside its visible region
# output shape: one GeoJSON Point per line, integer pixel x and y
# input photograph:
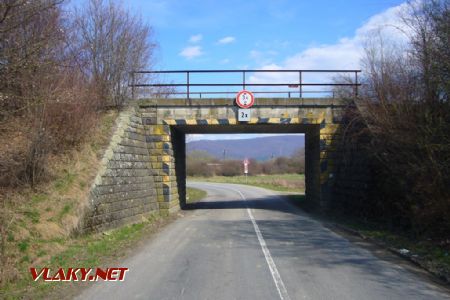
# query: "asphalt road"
{"type": "Point", "coordinates": [244, 242]}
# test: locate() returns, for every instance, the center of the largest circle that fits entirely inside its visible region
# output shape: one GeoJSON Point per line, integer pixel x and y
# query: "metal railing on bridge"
{"type": "Point", "coordinates": [345, 82]}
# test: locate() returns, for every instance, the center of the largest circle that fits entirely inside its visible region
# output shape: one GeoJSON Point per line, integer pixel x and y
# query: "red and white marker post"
{"type": "Point", "coordinates": [246, 162]}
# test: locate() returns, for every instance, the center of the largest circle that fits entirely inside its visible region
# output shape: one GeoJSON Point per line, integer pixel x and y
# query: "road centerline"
{"type": "Point", "coordinates": [281, 288]}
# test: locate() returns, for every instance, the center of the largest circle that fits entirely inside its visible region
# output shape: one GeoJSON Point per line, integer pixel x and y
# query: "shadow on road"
{"type": "Point", "coordinates": [267, 203]}
{"type": "Point", "coordinates": [292, 234]}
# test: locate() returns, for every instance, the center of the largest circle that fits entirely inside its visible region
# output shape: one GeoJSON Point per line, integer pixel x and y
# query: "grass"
{"type": "Point", "coordinates": [38, 198]}
{"type": "Point", "coordinates": [23, 246]}
{"type": "Point", "coordinates": [64, 211]}
{"type": "Point", "coordinates": [40, 220]}
{"type": "Point", "coordinates": [63, 183]}
{"type": "Point", "coordinates": [280, 182]}
{"type": "Point", "coordinates": [427, 249]}
{"type": "Point", "coordinates": [93, 250]}
{"type": "Point", "coordinates": [33, 215]}
{"type": "Point", "coordinates": [194, 195]}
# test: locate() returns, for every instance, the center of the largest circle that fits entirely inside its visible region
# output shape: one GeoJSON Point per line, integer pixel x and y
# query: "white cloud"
{"type": "Point", "coordinates": [263, 57]}
{"type": "Point", "coordinates": [195, 38]}
{"type": "Point", "coordinates": [227, 40]}
{"type": "Point", "coordinates": [346, 53]}
{"type": "Point", "coordinates": [192, 52]}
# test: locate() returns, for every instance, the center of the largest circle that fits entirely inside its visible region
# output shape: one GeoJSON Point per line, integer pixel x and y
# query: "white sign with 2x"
{"type": "Point", "coordinates": [244, 115]}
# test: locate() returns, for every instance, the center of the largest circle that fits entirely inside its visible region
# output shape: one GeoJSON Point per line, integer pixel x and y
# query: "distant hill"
{"type": "Point", "coordinates": [263, 148]}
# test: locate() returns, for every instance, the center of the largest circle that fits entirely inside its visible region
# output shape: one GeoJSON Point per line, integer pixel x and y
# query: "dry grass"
{"type": "Point", "coordinates": [13, 137]}
{"type": "Point", "coordinates": [39, 219]}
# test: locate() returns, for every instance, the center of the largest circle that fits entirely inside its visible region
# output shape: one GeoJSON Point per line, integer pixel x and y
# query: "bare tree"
{"type": "Point", "coordinates": [405, 96]}
{"type": "Point", "coordinates": [29, 37]}
{"type": "Point", "coordinates": [436, 14]}
{"type": "Point", "coordinates": [52, 65]}
{"type": "Point", "coordinates": [115, 42]}
{"type": "Point", "coordinates": [38, 81]}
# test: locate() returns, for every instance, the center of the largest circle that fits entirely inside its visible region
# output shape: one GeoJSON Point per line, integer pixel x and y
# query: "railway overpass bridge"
{"type": "Point", "coordinates": [144, 171]}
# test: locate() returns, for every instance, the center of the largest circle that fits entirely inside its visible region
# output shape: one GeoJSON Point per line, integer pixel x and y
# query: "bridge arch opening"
{"type": "Point", "coordinates": [312, 151]}
{"type": "Point", "coordinates": [144, 169]}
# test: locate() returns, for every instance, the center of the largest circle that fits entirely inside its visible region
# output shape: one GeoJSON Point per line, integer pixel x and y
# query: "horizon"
{"type": "Point", "coordinates": [234, 136]}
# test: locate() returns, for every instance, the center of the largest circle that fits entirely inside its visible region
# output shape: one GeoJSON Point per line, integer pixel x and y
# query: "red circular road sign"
{"type": "Point", "coordinates": [245, 99]}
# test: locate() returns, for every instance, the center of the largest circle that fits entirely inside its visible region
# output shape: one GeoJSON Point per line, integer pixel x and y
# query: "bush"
{"type": "Point", "coordinates": [71, 114]}
{"type": "Point", "coordinates": [200, 163]}
{"type": "Point", "coordinates": [405, 111]}
{"type": "Point", "coordinates": [231, 168]}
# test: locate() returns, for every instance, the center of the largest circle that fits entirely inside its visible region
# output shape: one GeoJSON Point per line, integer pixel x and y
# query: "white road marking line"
{"type": "Point", "coordinates": [273, 268]}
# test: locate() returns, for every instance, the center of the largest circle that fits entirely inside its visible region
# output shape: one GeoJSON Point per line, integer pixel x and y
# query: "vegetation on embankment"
{"type": "Point", "coordinates": [39, 220]}
{"type": "Point", "coordinates": [280, 182]}
{"type": "Point", "coordinates": [62, 71]}
{"type": "Point", "coordinates": [89, 251]}
{"type": "Point", "coordinates": [194, 195]}
{"type": "Point", "coordinates": [402, 129]}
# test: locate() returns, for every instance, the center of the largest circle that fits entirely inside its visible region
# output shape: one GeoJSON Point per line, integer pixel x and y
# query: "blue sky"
{"type": "Point", "coordinates": [235, 34]}
{"type": "Point", "coordinates": [264, 34]}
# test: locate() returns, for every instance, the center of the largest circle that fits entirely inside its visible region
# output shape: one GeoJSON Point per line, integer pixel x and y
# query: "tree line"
{"type": "Point", "coordinates": [201, 163]}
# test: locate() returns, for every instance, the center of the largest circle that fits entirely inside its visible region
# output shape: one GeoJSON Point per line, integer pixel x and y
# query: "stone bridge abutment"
{"type": "Point", "coordinates": [143, 171]}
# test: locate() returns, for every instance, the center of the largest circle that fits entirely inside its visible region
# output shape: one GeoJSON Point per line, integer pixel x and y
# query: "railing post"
{"type": "Point", "coordinates": [300, 84]}
{"type": "Point", "coordinates": [290, 93]}
{"type": "Point", "coordinates": [187, 86]}
{"type": "Point", "coordinates": [132, 85]}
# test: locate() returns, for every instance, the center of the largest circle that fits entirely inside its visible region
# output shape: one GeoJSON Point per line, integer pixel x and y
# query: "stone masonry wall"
{"type": "Point", "coordinates": [124, 189]}
{"type": "Point", "coordinates": [142, 174]}
{"type": "Point", "coordinates": [353, 176]}
{"type": "Point", "coordinates": [161, 154]}
{"type": "Point", "coordinates": [321, 119]}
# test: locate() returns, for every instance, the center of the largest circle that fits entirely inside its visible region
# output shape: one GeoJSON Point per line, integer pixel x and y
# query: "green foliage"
{"type": "Point", "coordinates": [194, 195]}
{"type": "Point", "coordinates": [25, 258]}
{"type": "Point", "coordinates": [33, 215]}
{"type": "Point", "coordinates": [63, 183]}
{"type": "Point", "coordinates": [37, 198]}
{"type": "Point", "coordinates": [65, 210]}
{"type": "Point", "coordinates": [23, 245]}
{"type": "Point", "coordinates": [10, 237]}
